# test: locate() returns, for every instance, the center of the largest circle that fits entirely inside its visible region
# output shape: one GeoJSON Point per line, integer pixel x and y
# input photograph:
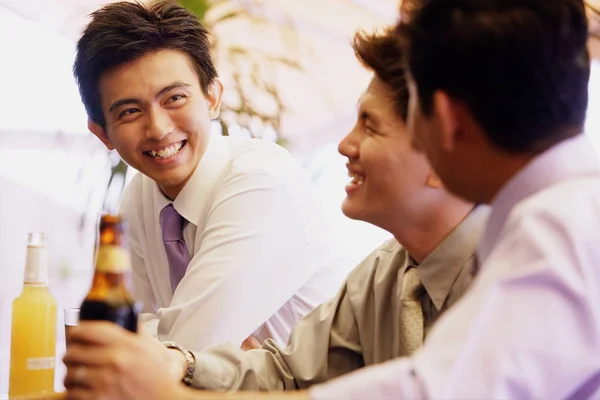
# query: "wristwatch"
{"type": "Point", "coordinates": [189, 357]}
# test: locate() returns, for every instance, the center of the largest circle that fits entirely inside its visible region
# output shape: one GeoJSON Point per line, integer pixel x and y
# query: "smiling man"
{"type": "Point", "coordinates": [498, 94]}
{"type": "Point", "coordinates": [387, 305]}
{"type": "Point", "coordinates": [226, 238]}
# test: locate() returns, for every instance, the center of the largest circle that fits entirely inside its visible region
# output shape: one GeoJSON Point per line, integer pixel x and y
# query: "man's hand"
{"type": "Point", "coordinates": [251, 343]}
{"type": "Point", "coordinates": [178, 364]}
{"type": "Point", "coordinates": [104, 361]}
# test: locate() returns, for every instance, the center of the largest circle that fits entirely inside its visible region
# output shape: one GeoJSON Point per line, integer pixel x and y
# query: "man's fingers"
{"type": "Point", "coordinates": [251, 343]}
{"type": "Point", "coordinates": [81, 393]}
{"type": "Point", "coordinates": [77, 378]}
{"type": "Point", "coordinates": [94, 379]}
{"type": "Point", "coordinates": [91, 356]}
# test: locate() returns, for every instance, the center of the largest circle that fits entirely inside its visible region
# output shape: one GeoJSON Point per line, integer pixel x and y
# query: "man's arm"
{"type": "Point", "coordinates": [325, 344]}
{"type": "Point", "coordinates": [186, 393]}
{"type": "Point", "coordinates": [254, 256]}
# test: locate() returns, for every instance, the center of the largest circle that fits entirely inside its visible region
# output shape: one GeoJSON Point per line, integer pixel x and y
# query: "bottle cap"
{"type": "Point", "coordinates": [36, 260]}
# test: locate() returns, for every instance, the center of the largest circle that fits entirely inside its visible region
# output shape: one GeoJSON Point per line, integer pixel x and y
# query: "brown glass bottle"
{"type": "Point", "coordinates": [109, 299]}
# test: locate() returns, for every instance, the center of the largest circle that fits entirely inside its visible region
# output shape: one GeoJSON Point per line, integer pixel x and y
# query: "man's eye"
{"type": "Point", "coordinates": [127, 112]}
{"type": "Point", "coordinates": [175, 97]}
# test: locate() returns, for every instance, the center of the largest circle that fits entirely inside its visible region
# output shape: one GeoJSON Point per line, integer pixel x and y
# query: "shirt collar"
{"type": "Point", "coordinates": [439, 270]}
{"type": "Point", "coordinates": [197, 192]}
{"type": "Point", "coordinates": [567, 159]}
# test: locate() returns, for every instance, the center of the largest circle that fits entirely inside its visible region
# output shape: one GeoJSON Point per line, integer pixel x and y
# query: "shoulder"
{"type": "Point", "coordinates": [554, 232]}
{"type": "Point", "coordinates": [571, 208]}
{"type": "Point", "coordinates": [259, 165]}
{"type": "Point", "coordinates": [259, 156]}
{"type": "Point", "coordinates": [377, 265]}
{"type": "Point", "coordinates": [265, 178]}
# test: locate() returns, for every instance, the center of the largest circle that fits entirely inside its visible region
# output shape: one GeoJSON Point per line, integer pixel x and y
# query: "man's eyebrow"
{"type": "Point", "coordinates": [174, 85]}
{"type": "Point", "coordinates": [132, 100]}
{"type": "Point", "coordinates": [122, 102]}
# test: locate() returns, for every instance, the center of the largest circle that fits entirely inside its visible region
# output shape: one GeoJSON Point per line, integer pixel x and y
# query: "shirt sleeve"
{"type": "Point", "coordinates": [324, 345]}
{"type": "Point", "coordinates": [526, 330]}
{"type": "Point", "coordinates": [393, 380]}
{"type": "Point", "coordinates": [255, 254]}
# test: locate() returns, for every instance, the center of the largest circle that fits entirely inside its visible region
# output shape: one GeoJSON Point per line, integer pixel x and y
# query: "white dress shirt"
{"type": "Point", "coordinates": [529, 327]}
{"type": "Point", "coordinates": [262, 256]}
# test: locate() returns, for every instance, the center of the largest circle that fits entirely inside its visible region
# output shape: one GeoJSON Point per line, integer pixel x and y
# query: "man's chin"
{"type": "Point", "coordinates": [351, 210]}
{"type": "Point", "coordinates": [170, 184]}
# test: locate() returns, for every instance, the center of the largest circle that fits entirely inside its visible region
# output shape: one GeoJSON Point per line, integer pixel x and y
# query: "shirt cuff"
{"type": "Point", "coordinates": [148, 324]}
{"type": "Point", "coordinates": [212, 372]}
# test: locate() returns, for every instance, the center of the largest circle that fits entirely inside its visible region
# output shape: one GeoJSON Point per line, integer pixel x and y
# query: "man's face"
{"type": "Point", "coordinates": [157, 116]}
{"type": "Point", "coordinates": [388, 175]}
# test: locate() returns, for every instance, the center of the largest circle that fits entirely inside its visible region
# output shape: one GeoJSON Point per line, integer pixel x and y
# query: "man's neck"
{"type": "Point", "coordinates": [501, 174]}
{"type": "Point", "coordinates": [421, 239]}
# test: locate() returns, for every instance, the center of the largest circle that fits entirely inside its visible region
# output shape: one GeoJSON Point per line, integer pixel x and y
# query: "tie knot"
{"type": "Point", "coordinates": [411, 284]}
{"type": "Point", "coordinates": [171, 224]}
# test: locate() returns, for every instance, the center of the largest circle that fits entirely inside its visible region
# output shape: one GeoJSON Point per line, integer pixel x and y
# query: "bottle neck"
{"type": "Point", "coordinates": [107, 280]}
{"type": "Point", "coordinates": [111, 276]}
{"type": "Point", "coordinates": [36, 266]}
{"type": "Point", "coordinates": [112, 259]}
{"type": "Point", "coordinates": [108, 286]}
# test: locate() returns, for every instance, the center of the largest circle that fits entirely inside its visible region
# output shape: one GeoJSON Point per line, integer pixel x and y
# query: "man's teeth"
{"type": "Point", "coordinates": [167, 152]}
{"type": "Point", "coordinates": [357, 180]}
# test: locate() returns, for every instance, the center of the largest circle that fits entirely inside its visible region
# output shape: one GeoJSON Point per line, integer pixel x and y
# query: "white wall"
{"type": "Point", "coordinates": [48, 182]}
{"type": "Point", "coordinates": [38, 90]}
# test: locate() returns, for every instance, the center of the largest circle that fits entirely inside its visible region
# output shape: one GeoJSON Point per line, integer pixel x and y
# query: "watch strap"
{"type": "Point", "coordinates": [189, 357]}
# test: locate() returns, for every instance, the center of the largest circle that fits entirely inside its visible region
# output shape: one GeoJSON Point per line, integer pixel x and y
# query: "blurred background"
{"type": "Point", "coordinates": [290, 76]}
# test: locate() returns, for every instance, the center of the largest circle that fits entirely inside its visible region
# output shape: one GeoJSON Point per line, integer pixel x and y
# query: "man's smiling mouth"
{"type": "Point", "coordinates": [166, 152]}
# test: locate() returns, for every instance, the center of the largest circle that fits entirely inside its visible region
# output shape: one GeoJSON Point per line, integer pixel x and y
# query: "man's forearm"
{"type": "Point", "coordinates": [227, 367]}
{"type": "Point", "coordinates": [186, 393]}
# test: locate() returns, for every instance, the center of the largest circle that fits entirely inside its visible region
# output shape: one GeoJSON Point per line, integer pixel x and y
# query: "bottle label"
{"type": "Point", "coordinates": [112, 259]}
{"type": "Point", "coordinates": [39, 363]}
{"type": "Point", "coordinates": [36, 265]}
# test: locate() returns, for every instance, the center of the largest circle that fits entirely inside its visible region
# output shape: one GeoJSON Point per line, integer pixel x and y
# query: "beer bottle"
{"type": "Point", "coordinates": [109, 299]}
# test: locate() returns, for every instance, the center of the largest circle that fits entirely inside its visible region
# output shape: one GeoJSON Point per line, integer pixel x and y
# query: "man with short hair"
{"type": "Point", "coordinates": [384, 310]}
{"type": "Point", "coordinates": [498, 100]}
{"type": "Point", "coordinates": [226, 237]}
{"type": "Point", "coordinates": [498, 103]}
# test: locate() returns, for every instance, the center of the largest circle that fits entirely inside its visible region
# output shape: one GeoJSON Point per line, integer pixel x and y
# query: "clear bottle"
{"type": "Point", "coordinates": [33, 338]}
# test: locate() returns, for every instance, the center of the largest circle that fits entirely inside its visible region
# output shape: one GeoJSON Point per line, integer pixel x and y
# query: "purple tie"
{"type": "Point", "coordinates": [172, 234]}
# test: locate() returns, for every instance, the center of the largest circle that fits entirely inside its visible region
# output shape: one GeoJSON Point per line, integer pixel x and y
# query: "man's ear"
{"type": "Point", "coordinates": [214, 96]}
{"type": "Point", "coordinates": [434, 181]}
{"type": "Point", "coordinates": [100, 133]}
{"type": "Point", "coordinates": [446, 111]}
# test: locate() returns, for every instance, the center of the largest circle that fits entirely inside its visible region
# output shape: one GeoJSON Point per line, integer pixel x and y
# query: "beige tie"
{"type": "Point", "coordinates": [411, 313]}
